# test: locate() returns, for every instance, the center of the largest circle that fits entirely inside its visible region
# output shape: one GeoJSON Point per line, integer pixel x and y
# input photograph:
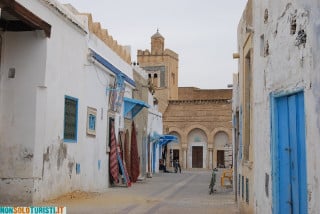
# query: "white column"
{"type": "Point", "coordinates": [185, 158]}
{"type": "Point", "coordinates": [210, 159]}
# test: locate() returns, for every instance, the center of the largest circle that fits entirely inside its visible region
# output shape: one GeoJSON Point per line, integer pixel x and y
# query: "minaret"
{"type": "Point", "coordinates": [157, 44]}
{"type": "Point", "coordinates": [162, 67]}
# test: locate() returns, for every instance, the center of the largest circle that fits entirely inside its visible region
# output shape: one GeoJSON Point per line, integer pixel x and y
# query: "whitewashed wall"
{"type": "Point", "coordinates": [155, 125]}
{"type": "Point", "coordinates": [26, 54]}
{"type": "Point", "coordinates": [288, 67]}
{"type": "Point", "coordinates": [32, 109]}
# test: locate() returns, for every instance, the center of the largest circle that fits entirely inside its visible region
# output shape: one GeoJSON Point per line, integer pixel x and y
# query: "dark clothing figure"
{"type": "Point", "coordinates": [176, 166]}
{"type": "Point", "coordinates": [162, 166]}
{"type": "Point", "coordinates": [212, 182]}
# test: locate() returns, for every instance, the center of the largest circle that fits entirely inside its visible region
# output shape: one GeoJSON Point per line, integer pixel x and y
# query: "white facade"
{"type": "Point", "coordinates": [155, 127]}
{"type": "Point", "coordinates": [286, 42]}
{"type": "Point", "coordinates": [37, 163]}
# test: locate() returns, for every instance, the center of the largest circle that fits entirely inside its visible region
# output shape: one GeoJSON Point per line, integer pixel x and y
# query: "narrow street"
{"type": "Point", "coordinates": [163, 193]}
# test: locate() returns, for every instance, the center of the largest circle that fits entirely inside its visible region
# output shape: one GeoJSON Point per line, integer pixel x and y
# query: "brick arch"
{"type": "Point", "coordinates": [203, 128]}
{"type": "Point", "coordinates": [179, 131]}
{"type": "Point", "coordinates": [176, 133]}
{"type": "Point", "coordinates": [220, 129]}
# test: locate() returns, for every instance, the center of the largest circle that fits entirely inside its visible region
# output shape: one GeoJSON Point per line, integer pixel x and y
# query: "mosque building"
{"type": "Point", "coordinates": [199, 118]}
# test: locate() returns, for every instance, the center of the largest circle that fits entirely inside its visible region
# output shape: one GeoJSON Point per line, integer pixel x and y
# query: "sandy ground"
{"type": "Point", "coordinates": [164, 193]}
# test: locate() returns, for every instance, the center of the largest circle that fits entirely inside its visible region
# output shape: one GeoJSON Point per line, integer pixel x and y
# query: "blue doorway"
{"type": "Point", "coordinates": [289, 154]}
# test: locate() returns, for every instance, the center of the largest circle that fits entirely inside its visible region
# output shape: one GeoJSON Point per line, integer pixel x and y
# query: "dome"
{"type": "Point", "coordinates": [157, 35]}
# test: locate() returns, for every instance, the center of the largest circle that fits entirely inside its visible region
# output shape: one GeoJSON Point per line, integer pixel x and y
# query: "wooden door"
{"type": "Point", "coordinates": [289, 155]}
{"type": "Point", "coordinates": [197, 157]}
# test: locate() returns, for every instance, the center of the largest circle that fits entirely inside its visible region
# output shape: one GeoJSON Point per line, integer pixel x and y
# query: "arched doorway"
{"type": "Point", "coordinates": [223, 149]}
{"type": "Point", "coordinates": [197, 149]}
{"type": "Point", "coordinates": [174, 150]}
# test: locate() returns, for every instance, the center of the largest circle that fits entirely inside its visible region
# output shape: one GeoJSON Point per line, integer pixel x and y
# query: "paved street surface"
{"type": "Point", "coordinates": [187, 192]}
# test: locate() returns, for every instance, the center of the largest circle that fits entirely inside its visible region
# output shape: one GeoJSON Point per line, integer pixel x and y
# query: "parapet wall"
{"type": "Point", "coordinates": [95, 28]}
{"type": "Point", "coordinates": [192, 93]}
{"type": "Point", "coordinates": [167, 52]}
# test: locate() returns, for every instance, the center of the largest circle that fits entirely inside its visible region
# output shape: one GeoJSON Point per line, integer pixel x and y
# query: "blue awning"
{"type": "Point", "coordinates": [165, 139]}
{"type": "Point", "coordinates": [132, 107]}
{"type": "Point", "coordinates": [111, 67]}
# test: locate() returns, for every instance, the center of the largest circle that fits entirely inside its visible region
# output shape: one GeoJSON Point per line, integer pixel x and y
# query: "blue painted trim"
{"type": "Point", "coordinates": [76, 131]}
{"type": "Point", "coordinates": [132, 107]}
{"type": "Point", "coordinates": [111, 67]}
{"type": "Point", "coordinates": [282, 93]}
{"type": "Point", "coordinates": [274, 152]}
{"type": "Point", "coordinates": [302, 164]}
{"type": "Point", "coordinates": [78, 168]}
{"type": "Point", "coordinates": [92, 122]}
{"type": "Point", "coordinates": [154, 157]}
{"type": "Point", "coordinates": [159, 141]}
{"type": "Point", "coordinates": [302, 154]}
{"type": "Point", "coordinates": [165, 139]}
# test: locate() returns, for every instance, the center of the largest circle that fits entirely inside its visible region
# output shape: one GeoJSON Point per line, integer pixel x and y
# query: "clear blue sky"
{"type": "Point", "coordinates": [203, 33]}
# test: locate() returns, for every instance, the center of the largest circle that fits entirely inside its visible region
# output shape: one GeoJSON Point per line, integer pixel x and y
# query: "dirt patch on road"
{"type": "Point", "coordinates": [72, 196]}
{"type": "Point", "coordinates": [95, 198]}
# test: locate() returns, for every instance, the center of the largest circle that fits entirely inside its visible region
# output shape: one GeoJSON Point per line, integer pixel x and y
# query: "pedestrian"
{"type": "Point", "coordinates": [212, 182]}
{"type": "Point", "coordinates": [177, 166]}
{"type": "Point", "coordinates": [162, 166]}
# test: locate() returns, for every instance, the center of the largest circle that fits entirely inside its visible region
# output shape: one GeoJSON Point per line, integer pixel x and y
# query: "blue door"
{"type": "Point", "coordinates": [289, 155]}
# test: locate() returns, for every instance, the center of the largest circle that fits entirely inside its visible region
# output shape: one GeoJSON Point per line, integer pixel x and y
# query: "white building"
{"type": "Point", "coordinates": [56, 76]}
{"type": "Point", "coordinates": [279, 85]}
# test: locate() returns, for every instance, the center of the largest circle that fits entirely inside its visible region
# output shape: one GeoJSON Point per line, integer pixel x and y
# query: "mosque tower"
{"type": "Point", "coordinates": [162, 67]}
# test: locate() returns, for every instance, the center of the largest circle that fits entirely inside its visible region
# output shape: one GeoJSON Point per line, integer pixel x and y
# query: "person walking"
{"type": "Point", "coordinates": [177, 166]}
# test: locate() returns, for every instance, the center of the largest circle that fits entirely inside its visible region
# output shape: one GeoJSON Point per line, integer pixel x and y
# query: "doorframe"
{"type": "Point", "coordinates": [274, 147]}
{"type": "Point", "coordinates": [204, 155]}
{"type": "Point", "coordinates": [223, 152]}
{"type": "Point", "coordinates": [192, 163]}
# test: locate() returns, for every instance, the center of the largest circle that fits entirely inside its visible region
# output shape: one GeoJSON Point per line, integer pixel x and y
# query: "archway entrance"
{"type": "Point", "coordinates": [223, 149]}
{"type": "Point", "coordinates": [197, 149]}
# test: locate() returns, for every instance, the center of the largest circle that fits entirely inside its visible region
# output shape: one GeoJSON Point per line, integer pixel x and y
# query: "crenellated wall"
{"type": "Point", "coordinates": [95, 27]}
{"type": "Point", "coordinates": [101, 33]}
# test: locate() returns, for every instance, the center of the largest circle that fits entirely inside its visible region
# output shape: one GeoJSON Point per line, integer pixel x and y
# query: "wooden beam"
{"type": "Point", "coordinates": [26, 16]}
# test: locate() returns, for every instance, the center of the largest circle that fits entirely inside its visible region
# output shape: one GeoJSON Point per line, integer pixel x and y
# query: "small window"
{"type": "Point", "coordinates": [70, 119]}
{"type": "Point", "coordinates": [197, 139]}
{"type": "Point", "coordinates": [91, 121]}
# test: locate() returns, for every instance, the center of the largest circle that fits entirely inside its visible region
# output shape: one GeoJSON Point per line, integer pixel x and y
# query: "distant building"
{"type": "Point", "coordinates": [276, 108]}
{"type": "Point", "coordinates": [200, 119]}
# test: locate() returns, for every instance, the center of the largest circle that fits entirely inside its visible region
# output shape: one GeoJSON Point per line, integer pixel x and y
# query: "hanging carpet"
{"type": "Point", "coordinates": [114, 168]}
{"type": "Point", "coordinates": [135, 167]}
{"type": "Point", "coordinates": [127, 153]}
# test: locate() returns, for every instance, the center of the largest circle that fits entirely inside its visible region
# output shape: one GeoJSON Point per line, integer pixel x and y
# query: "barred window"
{"type": "Point", "coordinates": [70, 119]}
